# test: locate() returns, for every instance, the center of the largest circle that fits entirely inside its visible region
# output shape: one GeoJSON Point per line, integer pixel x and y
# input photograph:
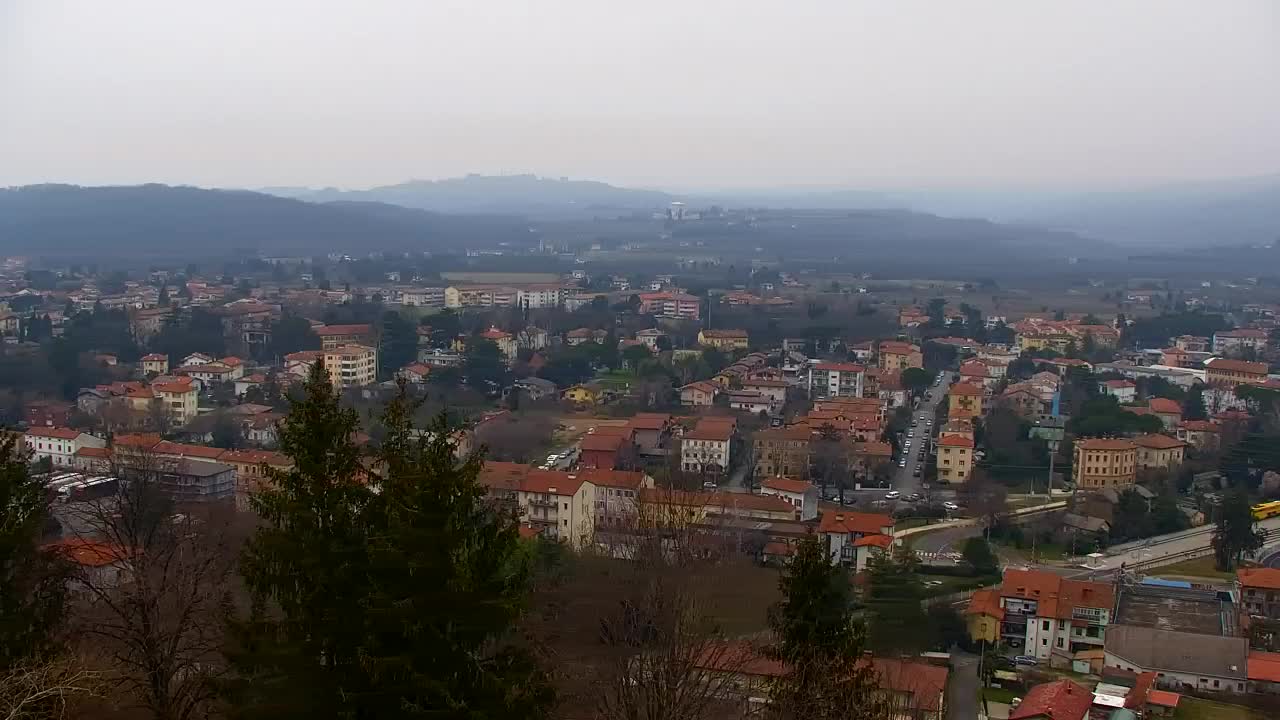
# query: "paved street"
{"type": "Point", "coordinates": [904, 481]}
{"type": "Point", "coordinates": [962, 686]}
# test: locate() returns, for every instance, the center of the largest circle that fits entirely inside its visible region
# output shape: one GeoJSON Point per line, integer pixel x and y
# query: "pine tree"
{"type": "Point", "coordinates": [32, 581]}
{"type": "Point", "coordinates": [298, 654]}
{"type": "Point", "coordinates": [448, 583]}
{"type": "Point", "coordinates": [1235, 536]}
{"type": "Point", "coordinates": [898, 621]}
{"type": "Point", "coordinates": [820, 643]}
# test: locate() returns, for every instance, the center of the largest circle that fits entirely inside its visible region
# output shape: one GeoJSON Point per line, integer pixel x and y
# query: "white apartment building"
{"type": "Point", "coordinates": [1047, 614]}
{"type": "Point", "coordinates": [803, 495]}
{"type": "Point", "coordinates": [180, 398]}
{"type": "Point", "coordinates": [432, 297]}
{"type": "Point", "coordinates": [706, 448]}
{"type": "Point", "coordinates": [560, 505]}
{"type": "Point", "coordinates": [834, 379]}
{"type": "Point", "coordinates": [351, 366]}
{"type": "Point", "coordinates": [59, 444]}
{"type": "Point", "coordinates": [1232, 342]}
{"type": "Point", "coordinates": [540, 296]}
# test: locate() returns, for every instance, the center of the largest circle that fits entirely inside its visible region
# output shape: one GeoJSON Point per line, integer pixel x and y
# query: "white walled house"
{"type": "Point", "coordinates": [59, 444]}
{"type": "Point", "coordinates": [801, 494]}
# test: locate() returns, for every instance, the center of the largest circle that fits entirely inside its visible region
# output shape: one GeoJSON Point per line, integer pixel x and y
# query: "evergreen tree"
{"type": "Point", "coordinates": [163, 298]}
{"type": "Point", "coordinates": [898, 621]}
{"type": "Point", "coordinates": [820, 643]}
{"type": "Point", "coordinates": [298, 653]}
{"type": "Point", "coordinates": [977, 552]}
{"type": "Point", "coordinates": [1234, 536]}
{"type": "Point", "coordinates": [448, 582]}
{"type": "Point", "coordinates": [399, 345]}
{"type": "Point", "coordinates": [32, 594]}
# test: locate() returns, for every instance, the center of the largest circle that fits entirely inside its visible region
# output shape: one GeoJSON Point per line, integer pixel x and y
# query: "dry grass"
{"type": "Point", "coordinates": [1202, 567]}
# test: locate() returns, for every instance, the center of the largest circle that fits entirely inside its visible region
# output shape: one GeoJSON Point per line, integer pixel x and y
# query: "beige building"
{"type": "Point", "coordinates": [1226, 372]}
{"type": "Point", "coordinates": [897, 355]}
{"type": "Point", "coordinates": [965, 402]}
{"type": "Point", "coordinates": [179, 397]}
{"type": "Point", "coordinates": [351, 366]}
{"type": "Point", "coordinates": [155, 363]}
{"type": "Point", "coordinates": [723, 339]}
{"type": "Point", "coordinates": [955, 458]}
{"type": "Point", "coordinates": [1159, 451]}
{"type": "Point", "coordinates": [1100, 462]}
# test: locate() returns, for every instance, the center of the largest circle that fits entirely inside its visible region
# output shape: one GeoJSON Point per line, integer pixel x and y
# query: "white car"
{"type": "Point", "coordinates": [553, 458]}
{"type": "Point", "coordinates": [950, 505]}
{"type": "Point", "coordinates": [902, 462]}
{"type": "Point", "coordinates": [892, 495]}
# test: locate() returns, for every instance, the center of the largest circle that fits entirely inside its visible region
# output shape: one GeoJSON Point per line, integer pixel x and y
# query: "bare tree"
{"type": "Point", "coordinates": [155, 595]}
{"type": "Point", "coordinates": [44, 690]}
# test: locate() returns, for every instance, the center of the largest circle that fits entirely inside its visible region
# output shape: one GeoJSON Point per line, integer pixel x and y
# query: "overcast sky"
{"type": "Point", "coordinates": [677, 93]}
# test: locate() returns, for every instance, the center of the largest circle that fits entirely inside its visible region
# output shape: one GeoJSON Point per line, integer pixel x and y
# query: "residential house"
{"type": "Point", "coordinates": [1103, 462]}
{"type": "Point", "coordinates": [335, 336]}
{"type": "Point", "coordinates": [674, 305]}
{"type": "Point", "coordinates": [1259, 591]}
{"type": "Point", "coordinates": [984, 615]}
{"type": "Point", "coordinates": [835, 379]}
{"type": "Point", "coordinates": [1052, 617]}
{"type": "Point", "coordinates": [59, 444]}
{"type": "Point", "coordinates": [579, 336]}
{"type": "Point", "coordinates": [1124, 391]}
{"type": "Point", "coordinates": [536, 296]}
{"type": "Point", "coordinates": [1229, 373]}
{"type": "Point", "coordinates": [93, 563]}
{"type": "Point", "coordinates": [978, 374]}
{"type": "Point", "coordinates": [782, 452]}
{"type": "Point", "coordinates": [650, 430]}
{"type": "Point", "coordinates": [1192, 343]}
{"type": "Point", "coordinates": [1202, 435]}
{"type": "Point", "coordinates": [504, 340]}
{"type": "Point", "coordinates": [351, 366]}
{"type": "Point", "coordinates": [1238, 341]}
{"type": "Point", "coordinates": [252, 470]}
{"type": "Point", "coordinates": [707, 449]}
{"type": "Point", "coordinates": [1058, 700]}
{"type": "Point", "coordinates": [536, 388]}
{"type": "Point", "coordinates": [699, 394]}
{"type": "Point", "coordinates": [47, 413]}
{"type": "Point", "coordinates": [532, 338]}
{"type": "Point", "coordinates": [773, 389]}
{"type": "Point", "coordinates": [803, 495]}
{"type": "Point", "coordinates": [1169, 412]}
{"type": "Point", "coordinates": [852, 537]}
{"type": "Point", "coordinates": [965, 401]}
{"type": "Point", "coordinates": [179, 397]}
{"type": "Point", "coordinates": [1159, 452]}
{"type": "Point", "coordinates": [588, 394]}
{"type": "Point", "coordinates": [650, 338]}
{"type": "Point", "coordinates": [560, 505]}
{"type": "Point", "coordinates": [895, 355]}
{"type": "Point", "coordinates": [155, 364]}
{"type": "Point", "coordinates": [415, 373]}
{"type": "Point", "coordinates": [432, 297]}
{"type": "Point", "coordinates": [751, 402]}
{"type": "Point", "coordinates": [606, 451]}
{"type": "Point", "coordinates": [955, 457]}
{"type": "Point", "coordinates": [298, 364]}
{"type": "Point", "coordinates": [723, 339]}
{"type": "Point", "coordinates": [617, 494]}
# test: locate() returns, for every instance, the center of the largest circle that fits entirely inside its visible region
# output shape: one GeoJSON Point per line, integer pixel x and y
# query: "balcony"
{"type": "Point", "coordinates": [543, 503]}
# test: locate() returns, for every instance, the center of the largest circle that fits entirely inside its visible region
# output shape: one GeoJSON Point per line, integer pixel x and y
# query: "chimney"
{"type": "Point", "coordinates": [552, 491]}
{"type": "Point", "coordinates": [839, 518]}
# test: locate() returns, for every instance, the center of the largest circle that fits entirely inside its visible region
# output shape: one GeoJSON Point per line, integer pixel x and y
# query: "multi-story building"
{"type": "Point", "coordinates": [539, 296]}
{"type": "Point", "coordinates": [1202, 435]}
{"type": "Point", "coordinates": [896, 355]}
{"type": "Point", "coordinates": [1102, 462]}
{"type": "Point", "coordinates": [723, 339]}
{"type": "Point", "coordinates": [1124, 391]}
{"type": "Point", "coordinates": [836, 379]}
{"type": "Point", "coordinates": [782, 452]}
{"type": "Point", "coordinates": [707, 448]}
{"type": "Point", "coordinates": [351, 366]}
{"type": "Point", "coordinates": [332, 336]}
{"type": "Point", "coordinates": [179, 397]}
{"type": "Point", "coordinates": [59, 444]}
{"type": "Point", "coordinates": [465, 296]}
{"type": "Point", "coordinates": [429, 297]}
{"type": "Point", "coordinates": [965, 401]}
{"type": "Point", "coordinates": [1192, 343]}
{"type": "Point", "coordinates": [674, 305]}
{"type": "Point", "coordinates": [193, 480]}
{"type": "Point", "coordinates": [1224, 372]}
{"type": "Point", "coordinates": [955, 457]}
{"type": "Point", "coordinates": [1048, 615]}
{"type": "Point", "coordinates": [1259, 592]}
{"type": "Point", "coordinates": [853, 537]}
{"type": "Point", "coordinates": [155, 364]}
{"type": "Point", "coordinates": [1235, 342]}
{"type": "Point", "coordinates": [617, 494]}
{"type": "Point", "coordinates": [802, 495]}
{"type": "Point", "coordinates": [505, 341]}
{"type": "Point", "coordinates": [1159, 452]}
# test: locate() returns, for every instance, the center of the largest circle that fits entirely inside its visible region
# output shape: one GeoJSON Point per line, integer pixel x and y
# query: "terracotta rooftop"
{"type": "Point", "coordinates": [1158, 442]}
{"type": "Point", "coordinates": [790, 485]}
{"type": "Point", "coordinates": [1058, 700]}
{"type": "Point", "coordinates": [965, 389]}
{"type": "Point", "coordinates": [1104, 444]}
{"type": "Point", "coordinates": [1240, 366]}
{"type": "Point", "coordinates": [1259, 577]}
{"type": "Point", "coordinates": [628, 479]}
{"type": "Point", "coordinates": [54, 432]}
{"type": "Point", "coordinates": [1165, 406]}
{"type": "Point", "coordinates": [335, 330]}
{"type": "Point", "coordinates": [854, 522]}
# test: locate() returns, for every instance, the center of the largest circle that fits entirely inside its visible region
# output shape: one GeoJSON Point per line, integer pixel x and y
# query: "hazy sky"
{"type": "Point", "coordinates": [676, 93]}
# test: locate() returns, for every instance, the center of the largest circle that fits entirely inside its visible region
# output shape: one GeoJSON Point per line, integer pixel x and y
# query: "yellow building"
{"type": "Point", "coordinates": [955, 458]}
{"type": "Point", "coordinates": [897, 355]}
{"type": "Point", "coordinates": [351, 366]}
{"type": "Point", "coordinates": [1159, 451]}
{"type": "Point", "coordinates": [583, 394]}
{"type": "Point", "coordinates": [723, 339]}
{"type": "Point", "coordinates": [1222, 372]}
{"type": "Point", "coordinates": [1101, 462]}
{"type": "Point", "coordinates": [984, 615]}
{"type": "Point", "coordinates": [965, 401]}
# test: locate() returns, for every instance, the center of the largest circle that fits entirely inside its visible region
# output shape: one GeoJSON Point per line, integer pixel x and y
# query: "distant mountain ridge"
{"type": "Point", "coordinates": [508, 194]}
{"type": "Point", "coordinates": [162, 220]}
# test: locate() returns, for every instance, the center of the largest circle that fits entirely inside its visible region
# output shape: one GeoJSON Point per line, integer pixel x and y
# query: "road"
{"type": "Point", "coordinates": [1162, 546]}
{"type": "Point", "coordinates": [904, 480]}
{"type": "Point", "coordinates": [962, 686]}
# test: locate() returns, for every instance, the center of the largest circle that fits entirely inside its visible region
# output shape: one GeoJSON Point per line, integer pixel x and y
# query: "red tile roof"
{"type": "Point", "coordinates": [1264, 666]}
{"type": "Point", "coordinates": [1199, 426]}
{"type": "Point", "coordinates": [965, 389]}
{"type": "Point", "coordinates": [154, 357]}
{"type": "Point", "coordinates": [963, 441]}
{"type": "Point", "coordinates": [854, 522]}
{"type": "Point", "coordinates": [1059, 700]}
{"type": "Point", "coordinates": [1259, 577]}
{"type": "Point", "coordinates": [1163, 698]}
{"type": "Point", "coordinates": [787, 485]}
{"type": "Point", "coordinates": [629, 479]}
{"type": "Point", "coordinates": [166, 447]}
{"type": "Point", "coordinates": [54, 432]}
{"type": "Point", "coordinates": [600, 443]}
{"type": "Point", "coordinates": [1104, 444]}
{"type": "Point", "coordinates": [1158, 442]}
{"type": "Point", "coordinates": [1240, 366]}
{"type": "Point", "coordinates": [497, 475]}
{"type": "Point", "coordinates": [554, 482]}
{"type": "Point", "coordinates": [93, 452]}
{"type": "Point", "coordinates": [985, 602]}
{"type": "Point", "coordinates": [839, 367]}
{"type": "Point", "coordinates": [880, 541]}
{"type": "Point", "coordinates": [649, 421]}
{"type": "Point", "coordinates": [332, 330]}
{"type": "Point", "coordinates": [1165, 406]}
{"type": "Point", "coordinates": [89, 553]}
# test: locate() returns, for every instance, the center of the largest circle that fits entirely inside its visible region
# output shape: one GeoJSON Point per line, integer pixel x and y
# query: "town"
{"type": "Point", "coordinates": [1038, 509]}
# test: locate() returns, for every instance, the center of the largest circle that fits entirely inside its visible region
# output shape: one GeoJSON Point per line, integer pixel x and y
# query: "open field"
{"type": "Point", "coordinates": [1202, 567]}
{"type": "Point", "coordinates": [1196, 709]}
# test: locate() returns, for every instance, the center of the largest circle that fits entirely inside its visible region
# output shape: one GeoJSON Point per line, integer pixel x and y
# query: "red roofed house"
{"type": "Point", "coordinates": [617, 493]}
{"type": "Point", "coordinates": [707, 449]}
{"type": "Point", "coordinates": [47, 413]}
{"type": "Point", "coordinates": [1222, 372]}
{"type": "Point", "coordinates": [800, 493]}
{"type": "Point", "coordinates": [100, 563]}
{"type": "Point", "coordinates": [1233, 342]}
{"type": "Point", "coordinates": [984, 615]}
{"type": "Point", "coordinates": [1159, 451]}
{"type": "Point", "coordinates": [698, 394]}
{"type": "Point", "coordinates": [852, 536]}
{"type": "Point", "coordinates": [1124, 391]}
{"type": "Point", "coordinates": [955, 457]}
{"type": "Point", "coordinates": [1259, 590]}
{"type": "Point", "coordinates": [1052, 617]}
{"type": "Point", "coordinates": [976, 372]}
{"type": "Point", "coordinates": [965, 401]}
{"type": "Point", "coordinates": [505, 341]}
{"type": "Point", "coordinates": [59, 444]}
{"type": "Point", "coordinates": [1202, 435]}
{"type": "Point", "coordinates": [606, 451]}
{"type": "Point", "coordinates": [1169, 412]}
{"type": "Point", "coordinates": [1263, 671]}
{"type": "Point", "coordinates": [561, 505]}
{"type": "Point", "coordinates": [651, 430]}
{"type": "Point", "coordinates": [415, 373]}
{"type": "Point", "coordinates": [1057, 700]}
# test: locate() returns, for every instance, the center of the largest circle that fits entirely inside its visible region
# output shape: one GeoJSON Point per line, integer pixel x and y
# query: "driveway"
{"type": "Point", "coordinates": [962, 686]}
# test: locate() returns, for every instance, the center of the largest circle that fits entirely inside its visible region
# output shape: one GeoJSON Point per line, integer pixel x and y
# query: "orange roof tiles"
{"type": "Point", "coordinates": [1264, 666]}
{"type": "Point", "coordinates": [985, 602]}
{"type": "Point", "coordinates": [1104, 444]}
{"type": "Point", "coordinates": [839, 367]}
{"type": "Point", "coordinates": [965, 389]}
{"type": "Point", "coordinates": [880, 541]}
{"type": "Point", "coordinates": [1165, 406]}
{"type": "Point", "coordinates": [960, 441]}
{"type": "Point", "coordinates": [1259, 577]}
{"type": "Point", "coordinates": [629, 479]}
{"type": "Point", "coordinates": [1240, 366]}
{"type": "Point", "coordinates": [60, 433]}
{"type": "Point", "coordinates": [89, 553]}
{"type": "Point", "coordinates": [854, 522]}
{"type": "Point", "coordinates": [1158, 442]}
{"type": "Point", "coordinates": [553, 482]}
{"type": "Point", "coordinates": [790, 485]}
{"type": "Point", "coordinates": [333, 330]}
{"type": "Point", "coordinates": [1058, 700]}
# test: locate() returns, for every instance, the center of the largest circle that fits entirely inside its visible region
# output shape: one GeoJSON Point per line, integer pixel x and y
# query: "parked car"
{"type": "Point", "coordinates": [1024, 660]}
{"type": "Point", "coordinates": [902, 462]}
{"type": "Point", "coordinates": [892, 495]}
{"type": "Point", "coordinates": [916, 471]}
{"type": "Point", "coordinates": [708, 485]}
{"type": "Point", "coordinates": [915, 497]}
{"type": "Point", "coordinates": [950, 506]}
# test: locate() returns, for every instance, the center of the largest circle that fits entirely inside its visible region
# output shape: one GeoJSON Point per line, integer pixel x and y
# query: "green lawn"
{"type": "Point", "coordinates": [1202, 567]}
{"type": "Point", "coordinates": [999, 695]}
{"type": "Point", "coordinates": [1190, 708]}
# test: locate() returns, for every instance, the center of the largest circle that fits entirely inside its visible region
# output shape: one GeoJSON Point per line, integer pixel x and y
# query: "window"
{"type": "Point", "coordinates": [1044, 641]}
{"type": "Point", "coordinates": [566, 506]}
{"type": "Point", "coordinates": [1046, 625]}
{"type": "Point", "coordinates": [1059, 642]}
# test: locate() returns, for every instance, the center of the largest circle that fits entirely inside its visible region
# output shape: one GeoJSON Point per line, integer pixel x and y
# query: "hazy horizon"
{"type": "Point", "coordinates": [665, 95]}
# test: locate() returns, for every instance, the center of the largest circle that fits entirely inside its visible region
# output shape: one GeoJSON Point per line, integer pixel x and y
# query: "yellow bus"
{"type": "Point", "coordinates": [1262, 511]}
